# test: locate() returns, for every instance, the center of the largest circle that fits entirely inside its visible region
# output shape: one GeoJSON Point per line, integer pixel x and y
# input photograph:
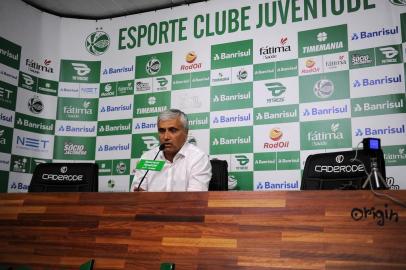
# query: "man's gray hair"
{"type": "Point", "coordinates": [173, 114]}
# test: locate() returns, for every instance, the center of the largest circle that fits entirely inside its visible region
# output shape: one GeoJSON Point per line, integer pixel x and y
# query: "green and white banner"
{"type": "Point", "coordinates": [265, 84]}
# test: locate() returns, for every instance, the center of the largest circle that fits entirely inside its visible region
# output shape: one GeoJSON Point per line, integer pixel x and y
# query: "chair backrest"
{"type": "Point", "coordinates": [219, 178]}
{"type": "Point", "coordinates": [65, 177]}
{"type": "Point", "coordinates": [338, 170]}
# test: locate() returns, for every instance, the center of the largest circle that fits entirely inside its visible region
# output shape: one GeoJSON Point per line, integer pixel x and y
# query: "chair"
{"type": "Point", "coordinates": [65, 177]}
{"type": "Point", "coordinates": [338, 170]}
{"type": "Point", "coordinates": [219, 178]}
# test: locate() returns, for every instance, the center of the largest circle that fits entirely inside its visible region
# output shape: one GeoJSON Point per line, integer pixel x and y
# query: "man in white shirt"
{"type": "Point", "coordinates": [187, 168]}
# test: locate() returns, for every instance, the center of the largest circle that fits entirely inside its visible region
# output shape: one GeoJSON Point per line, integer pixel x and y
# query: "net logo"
{"type": "Point", "coordinates": [150, 142]}
{"type": "Point", "coordinates": [35, 105]}
{"type": "Point", "coordinates": [275, 134]}
{"type": "Point", "coordinates": [389, 130]}
{"type": "Point", "coordinates": [37, 67]}
{"type": "Point", "coordinates": [97, 43]}
{"type": "Point", "coordinates": [5, 94]}
{"type": "Point", "coordinates": [323, 88]}
{"type": "Point", "coordinates": [321, 138]}
{"type": "Point", "coordinates": [379, 33]}
{"type": "Point", "coordinates": [240, 118]}
{"type": "Point", "coordinates": [390, 54]}
{"type": "Point", "coordinates": [190, 58]}
{"type": "Point", "coordinates": [32, 143]}
{"type": "Point", "coordinates": [327, 111]}
{"type": "Point", "coordinates": [270, 52]}
{"type": "Point", "coordinates": [81, 69]}
{"type": "Point", "coordinates": [268, 185]}
{"type": "Point", "coordinates": [119, 108]}
{"type": "Point", "coordinates": [70, 148]}
{"type": "Point", "coordinates": [277, 90]}
{"type": "Point", "coordinates": [109, 148]}
{"type": "Point", "coordinates": [310, 67]}
{"type": "Point", "coordinates": [124, 69]}
{"type": "Point", "coordinates": [237, 54]}
{"type": "Point", "coordinates": [365, 82]}
{"type": "Point", "coordinates": [153, 66]}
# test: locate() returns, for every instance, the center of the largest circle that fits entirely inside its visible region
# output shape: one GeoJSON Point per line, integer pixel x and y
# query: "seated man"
{"type": "Point", "coordinates": [187, 168]}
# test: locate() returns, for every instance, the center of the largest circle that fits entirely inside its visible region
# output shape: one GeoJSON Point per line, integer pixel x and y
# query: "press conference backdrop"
{"type": "Point", "coordinates": [265, 84]}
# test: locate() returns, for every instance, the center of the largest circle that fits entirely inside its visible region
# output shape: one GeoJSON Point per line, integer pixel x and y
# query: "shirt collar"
{"type": "Point", "coordinates": [182, 152]}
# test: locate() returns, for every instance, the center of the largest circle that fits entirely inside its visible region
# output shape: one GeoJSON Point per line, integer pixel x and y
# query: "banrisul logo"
{"type": "Point", "coordinates": [384, 31]}
{"type": "Point", "coordinates": [323, 41]}
{"type": "Point", "coordinates": [272, 51]}
{"type": "Point", "coordinates": [114, 127]}
{"type": "Point", "coordinates": [34, 124]}
{"type": "Point", "coordinates": [388, 104]}
{"type": "Point", "coordinates": [10, 53]}
{"type": "Point", "coordinates": [80, 71]}
{"type": "Point", "coordinates": [231, 54]}
{"type": "Point", "coordinates": [386, 130]}
{"type": "Point", "coordinates": [77, 109]}
{"type": "Point", "coordinates": [231, 140]}
{"type": "Point", "coordinates": [233, 96]}
{"type": "Point", "coordinates": [97, 43]}
{"type": "Point", "coordinates": [381, 80]}
{"type": "Point", "coordinates": [328, 134]}
{"type": "Point", "coordinates": [278, 114]}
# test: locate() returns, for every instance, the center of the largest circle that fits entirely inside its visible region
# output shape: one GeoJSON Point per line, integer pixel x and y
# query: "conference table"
{"type": "Point", "coordinates": [204, 230]}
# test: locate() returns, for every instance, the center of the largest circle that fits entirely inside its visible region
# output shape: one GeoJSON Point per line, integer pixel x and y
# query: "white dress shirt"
{"type": "Point", "coordinates": [189, 171]}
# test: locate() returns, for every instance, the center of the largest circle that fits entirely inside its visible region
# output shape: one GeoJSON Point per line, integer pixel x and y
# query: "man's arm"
{"type": "Point", "coordinates": [200, 173]}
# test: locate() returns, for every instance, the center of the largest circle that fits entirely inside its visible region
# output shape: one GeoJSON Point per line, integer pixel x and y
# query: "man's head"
{"type": "Point", "coordinates": [173, 129]}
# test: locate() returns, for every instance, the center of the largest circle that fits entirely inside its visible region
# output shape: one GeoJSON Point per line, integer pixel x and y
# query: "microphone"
{"type": "Point", "coordinates": [161, 147]}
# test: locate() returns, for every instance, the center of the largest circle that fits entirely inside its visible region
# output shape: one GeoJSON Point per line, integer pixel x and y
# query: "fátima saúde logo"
{"type": "Point", "coordinates": [97, 43]}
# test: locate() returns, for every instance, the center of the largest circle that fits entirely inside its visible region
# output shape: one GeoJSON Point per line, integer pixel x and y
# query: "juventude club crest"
{"type": "Point", "coordinates": [97, 43]}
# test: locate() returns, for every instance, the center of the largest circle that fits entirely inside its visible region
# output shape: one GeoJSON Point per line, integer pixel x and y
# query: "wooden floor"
{"type": "Point", "coordinates": [207, 230]}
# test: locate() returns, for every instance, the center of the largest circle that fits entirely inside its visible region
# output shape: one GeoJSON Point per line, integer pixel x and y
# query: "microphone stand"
{"type": "Point", "coordinates": [161, 147]}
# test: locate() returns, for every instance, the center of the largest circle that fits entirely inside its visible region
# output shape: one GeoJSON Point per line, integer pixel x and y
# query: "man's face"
{"type": "Point", "coordinates": [172, 134]}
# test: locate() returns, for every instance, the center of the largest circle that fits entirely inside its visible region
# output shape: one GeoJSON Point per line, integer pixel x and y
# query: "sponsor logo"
{"type": "Point", "coordinates": [275, 134]}
{"type": "Point", "coordinates": [151, 101]}
{"type": "Point", "coordinates": [238, 96]}
{"type": "Point", "coordinates": [107, 90]}
{"type": "Point", "coordinates": [97, 43]}
{"type": "Point", "coordinates": [234, 55]}
{"type": "Point", "coordinates": [232, 141]}
{"type": "Point", "coordinates": [31, 143]}
{"type": "Point", "coordinates": [398, 2]}
{"type": "Point", "coordinates": [191, 139]}
{"type": "Point", "coordinates": [394, 157]}
{"type": "Point", "coordinates": [232, 119]}
{"type": "Point", "coordinates": [64, 169]}
{"type": "Point", "coordinates": [322, 37]}
{"type": "Point", "coordinates": [70, 148]}
{"type": "Point", "coordinates": [378, 215]}
{"type": "Point", "coordinates": [190, 58]}
{"type": "Point", "coordinates": [323, 88]}
{"type": "Point", "coordinates": [20, 165]}
{"type": "Point", "coordinates": [150, 141]}
{"type": "Point", "coordinates": [144, 125]}
{"type": "Point", "coordinates": [28, 80]}
{"type": "Point", "coordinates": [88, 90]}
{"type": "Point", "coordinates": [279, 115]}
{"type": "Point", "coordinates": [381, 81]}
{"type": "Point", "coordinates": [390, 181]}
{"type": "Point", "coordinates": [109, 148]}
{"type": "Point", "coordinates": [327, 111]}
{"type": "Point", "coordinates": [6, 118]}
{"type": "Point", "coordinates": [74, 110]}
{"type": "Point", "coordinates": [380, 131]}
{"type": "Point", "coordinates": [220, 78]}
{"type": "Point", "coordinates": [390, 54]}
{"type": "Point", "coordinates": [153, 66]}
{"type": "Point", "coordinates": [115, 128]}
{"type": "Point", "coordinates": [242, 74]}
{"type": "Point", "coordinates": [198, 122]}
{"type": "Point", "coordinates": [339, 158]}
{"type": "Point", "coordinates": [388, 104]}
{"type": "Point", "coordinates": [277, 90]}
{"type": "Point", "coordinates": [111, 183]}
{"type": "Point", "coordinates": [242, 160]}
{"type": "Point", "coordinates": [83, 129]}
{"type": "Point", "coordinates": [19, 186]}
{"type": "Point", "coordinates": [360, 59]}
{"type": "Point", "coordinates": [81, 69]}
{"type": "Point", "coordinates": [339, 168]}
{"type": "Point", "coordinates": [142, 86]}
{"type": "Point", "coordinates": [2, 140]}
{"type": "Point", "coordinates": [6, 74]}
{"type": "Point", "coordinates": [38, 126]}
{"type": "Point", "coordinates": [270, 52]}
{"type": "Point", "coordinates": [284, 185]}
{"type": "Point", "coordinates": [35, 105]}
{"type": "Point", "coordinates": [162, 81]}
{"type": "Point", "coordinates": [124, 69]}
{"type": "Point", "coordinates": [333, 64]}
{"type": "Point", "coordinates": [379, 33]}
{"type": "Point", "coordinates": [36, 67]}
{"type": "Point", "coordinates": [310, 67]}
{"type": "Point", "coordinates": [320, 138]}
{"type": "Point", "coordinates": [119, 108]}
